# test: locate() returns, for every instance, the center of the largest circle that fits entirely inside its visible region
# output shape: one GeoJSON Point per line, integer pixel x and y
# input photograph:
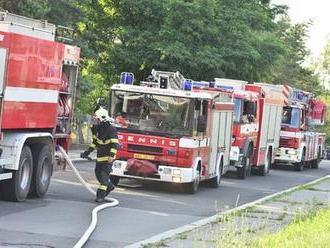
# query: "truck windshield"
{"type": "Point", "coordinates": [291, 117]}
{"type": "Point", "coordinates": [153, 113]}
{"type": "Point", "coordinates": [237, 110]}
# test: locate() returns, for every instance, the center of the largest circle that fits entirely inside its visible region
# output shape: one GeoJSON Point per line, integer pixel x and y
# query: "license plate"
{"type": "Point", "coordinates": [143, 156]}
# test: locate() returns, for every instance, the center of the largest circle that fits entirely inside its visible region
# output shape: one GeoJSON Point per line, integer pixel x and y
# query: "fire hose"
{"type": "Point", "coordinates": [111, 202]}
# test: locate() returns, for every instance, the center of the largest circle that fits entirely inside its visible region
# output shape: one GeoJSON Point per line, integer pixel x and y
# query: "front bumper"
{"type": "Point", "coordinates": [287, 155]}
{"type": "Point", "coordinates": [236, 157]}
{"type": "Point", "coordinates": [165, 173]}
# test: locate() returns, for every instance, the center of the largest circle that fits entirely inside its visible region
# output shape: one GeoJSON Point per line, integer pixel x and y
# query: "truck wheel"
{"type": "Point", "coordinates": [114, 179]}
{"type": "Point", "coordinates": [42, 171]}
{"type": "Point", "coordinates": [215, 181]}
{"type": "Point", "coordinates": [264, 169]}
{"type": "Point", "coordinates": [245, 170]}
{"type": "Point", "coordinates": [316, 162]}
{"type": "Point", "coordinates": [300, 166]}
{"type": "Point", "coordinates": [18, 187]}
{"type": "Point", "coordinates": [192, 188]}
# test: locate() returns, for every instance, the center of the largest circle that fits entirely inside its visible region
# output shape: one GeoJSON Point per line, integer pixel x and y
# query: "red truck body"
{"type": "Point", "coordinates": [38, 79]}
{"type": "Point", "coordinates": [256, 128]}
{"type": "Point", "coordinates": [163, 127]}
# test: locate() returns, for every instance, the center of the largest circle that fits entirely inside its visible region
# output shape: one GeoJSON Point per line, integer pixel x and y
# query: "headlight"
{"type": "Point", "coordinates": [176, 172]}
{"type": "Point", "coordinates": [165, 170]}
{"type": "Point", "coordinates": [116, 164]}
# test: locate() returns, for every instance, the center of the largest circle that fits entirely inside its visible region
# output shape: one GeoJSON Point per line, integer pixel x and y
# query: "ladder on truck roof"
{"type": "Point", "coordinates": [41, 29]}
{"type": "Point", "coordinates": [174, 79]}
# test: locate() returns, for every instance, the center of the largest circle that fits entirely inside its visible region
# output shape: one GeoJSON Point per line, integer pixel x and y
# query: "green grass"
{"type": "Point", "coordinates": [311, 231]}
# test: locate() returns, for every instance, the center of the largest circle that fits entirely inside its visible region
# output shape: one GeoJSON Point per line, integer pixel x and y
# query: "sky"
{"type": "Point", "coordinates": [319, 12]}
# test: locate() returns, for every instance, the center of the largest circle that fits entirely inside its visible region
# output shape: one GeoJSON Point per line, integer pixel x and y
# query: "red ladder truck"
{"type": "Point", "coordinates": [186, 135]}
{"type": "Point", "coordinates": [38, 78]}
{"type": "Point", "coordinates": [300, 144]}
{"type": "Point", "coordinates": [256, 125]}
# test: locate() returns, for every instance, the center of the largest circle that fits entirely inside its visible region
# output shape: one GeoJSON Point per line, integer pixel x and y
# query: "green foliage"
{"type": "Point", "coordinates": [200, 38]}
{"type": "Point", "coordinates": [31, 8]}
{"type": "Point", "coordinates": [203, 39]}
{"type": "Point", "coordinates": [289, 69]}
{"type": "Point", "coordinates": [310, 232]}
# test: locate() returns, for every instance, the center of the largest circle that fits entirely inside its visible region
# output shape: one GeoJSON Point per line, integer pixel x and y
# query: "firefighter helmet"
{"type": "Point", "coordinates": [102, 114]}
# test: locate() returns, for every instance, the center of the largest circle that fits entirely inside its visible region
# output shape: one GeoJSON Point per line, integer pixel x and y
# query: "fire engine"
{"type": "Point", "coordinates": [38, 77]}
{"type": "Point", "coordinates": [186, 135]}
{"type": "Point", "coordinates": [256, 125]}
{"type": "Point", "coordinates": [300, 144]}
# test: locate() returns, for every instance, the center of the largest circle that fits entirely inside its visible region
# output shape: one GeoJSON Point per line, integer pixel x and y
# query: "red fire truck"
{"type": "Point", "coordinates": [37, 85]}
{"type": "Point", "coordinates": [256, 128]}
{"type": "Point", "coordinates": [300, 144]}
{"type": "Point", "coordinates": [186, 135]}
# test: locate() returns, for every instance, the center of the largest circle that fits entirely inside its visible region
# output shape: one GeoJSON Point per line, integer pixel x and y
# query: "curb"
{"type": "Point", "coordinates": [205, 221]}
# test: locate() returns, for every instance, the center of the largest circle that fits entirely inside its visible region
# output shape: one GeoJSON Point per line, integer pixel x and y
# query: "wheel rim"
{"type": "Point", "coordinates": [25, 174]}
{"type": "Point", "coordinates": [219, 176]}
{"type": "Point", "coordinates": [247, 166]}
{"type": "Point", "coordinates": [267, 164]}
{"type": "Point", "coordinates": [196, 182]}
{"type": "Point", "coordinates": [45, 172]}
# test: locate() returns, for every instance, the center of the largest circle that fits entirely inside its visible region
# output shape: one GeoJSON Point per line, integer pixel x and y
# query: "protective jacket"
{"type": "Point", "coordinates": [105, 141]}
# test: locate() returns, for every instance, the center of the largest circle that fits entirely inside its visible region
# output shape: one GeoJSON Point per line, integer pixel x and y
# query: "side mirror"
{"type": "Point", "coordinates": [201, 124]}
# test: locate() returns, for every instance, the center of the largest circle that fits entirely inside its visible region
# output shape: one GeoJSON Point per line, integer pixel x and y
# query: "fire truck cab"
{"type": "Point", "coordinates": [300, 143]}
{"type": "Point", "coordinates": [185, 134]}
{"type": "Point", "coordinates": [257, 118]}
{"type": "Point", "coordinates": [38, 79]}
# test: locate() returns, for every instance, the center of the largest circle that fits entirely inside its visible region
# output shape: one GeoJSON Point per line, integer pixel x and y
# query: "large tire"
{"type": "Point", "coordinates": [114, 179]}
{"type": "Point", "coordinates": [316, 162]}
{"type": "Point", "coordinates": [17, 188]}
{"type": "Point", "coordinates": [192, 188]}
{"type": "Point", "coordinates": [264, 169]}
{"type": "Point", "coordinates": [245, 170]}
{"type": "Point", "coordinates": [215, 181]}
{"type": "Point", "coordinates": [300, 166]}
{"type": "Point", "coordinates": [42, 171]}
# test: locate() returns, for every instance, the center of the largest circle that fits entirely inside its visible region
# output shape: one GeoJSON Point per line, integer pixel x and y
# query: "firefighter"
{"type": "Point", "coordinates": [105, 141]}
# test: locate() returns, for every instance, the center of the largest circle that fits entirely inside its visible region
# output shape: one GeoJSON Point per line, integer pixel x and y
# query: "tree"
{"type": "Point", "coordinates": [31, 8]}
{"type": "Point", "coordinates": [201, 38]}
{"type": "Point", "coordinates": [289, 69]}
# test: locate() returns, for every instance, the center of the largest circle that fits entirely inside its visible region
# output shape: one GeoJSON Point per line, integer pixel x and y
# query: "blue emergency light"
{"type": "Point", "coordinates": [186, 84]}
{"type": "Point", "coordinates": [300, 96]}
{"type": "Point", "coordinates": [127, 78]}
{"type": "Point", "coordinates": [223, 87]}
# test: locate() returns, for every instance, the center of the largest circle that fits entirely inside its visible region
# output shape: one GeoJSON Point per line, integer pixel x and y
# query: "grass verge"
{"type": "Point", "coordinates": [312, 231]}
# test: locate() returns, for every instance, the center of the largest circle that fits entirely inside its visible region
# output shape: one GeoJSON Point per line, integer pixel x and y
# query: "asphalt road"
{"type": "Point", "coordinates": [145, 210]}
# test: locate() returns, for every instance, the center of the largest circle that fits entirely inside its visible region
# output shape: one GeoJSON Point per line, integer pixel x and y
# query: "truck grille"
{"type": "Point", "coordinates": [156, 176]}
{"type": "Point", "coordinates": [284, 143]}
{"type": "Point", "coordinates": [145, 149]}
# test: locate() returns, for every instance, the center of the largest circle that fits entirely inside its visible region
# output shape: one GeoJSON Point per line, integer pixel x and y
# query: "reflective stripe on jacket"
{"type": "Point", "coordinates": [105, 141]}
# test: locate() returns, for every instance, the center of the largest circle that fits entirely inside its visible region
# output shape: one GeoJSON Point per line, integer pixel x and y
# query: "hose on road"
{"type": "Point", "coordinates": [111, 202]}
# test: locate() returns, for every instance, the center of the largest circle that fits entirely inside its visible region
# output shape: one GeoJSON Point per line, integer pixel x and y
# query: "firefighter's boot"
{"type": "Point", "coordinates": [110, 188]}
{"type": "Point", "coordinates": [100, 195]}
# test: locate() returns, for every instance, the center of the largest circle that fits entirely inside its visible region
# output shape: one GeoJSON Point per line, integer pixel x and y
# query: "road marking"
{"type": "Point", "coordinates": [117, 189]}
{"type": "Point", "coordinates": [145, 211]}
{"type": "Point", "coordinates": [95, 186]}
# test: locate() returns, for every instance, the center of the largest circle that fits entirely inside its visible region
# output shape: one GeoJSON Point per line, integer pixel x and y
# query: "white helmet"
{"type": "Point", "coordinates": [102, 114]}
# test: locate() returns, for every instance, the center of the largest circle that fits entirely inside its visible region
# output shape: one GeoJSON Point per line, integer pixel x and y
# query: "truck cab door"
{"type": "Point", "coordinates": [3, 63]}
{"type": "Point", "coordinates": [3, 66]}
